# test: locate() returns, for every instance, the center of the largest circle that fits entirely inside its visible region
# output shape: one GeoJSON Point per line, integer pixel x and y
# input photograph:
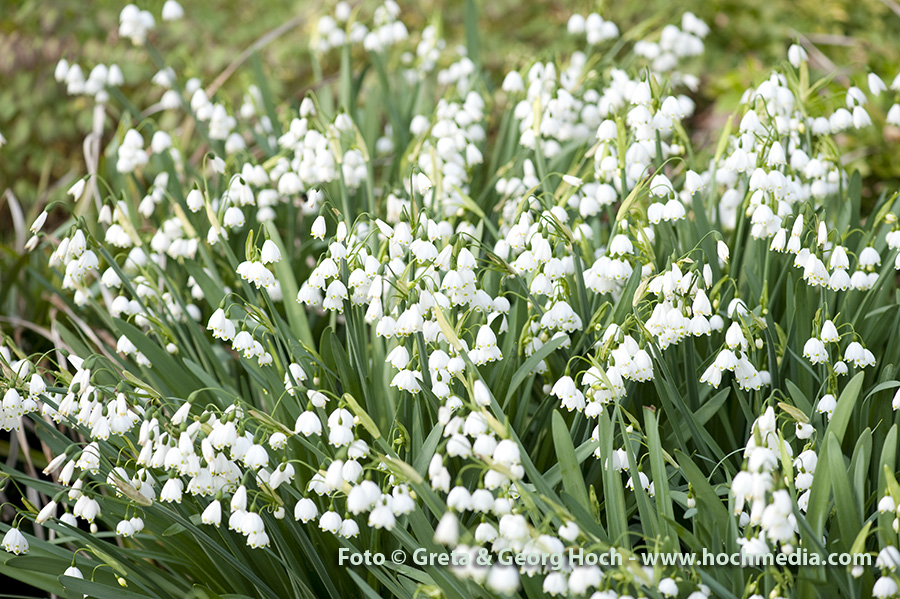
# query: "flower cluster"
{"type": "Point", "coordinates": [416, 328]}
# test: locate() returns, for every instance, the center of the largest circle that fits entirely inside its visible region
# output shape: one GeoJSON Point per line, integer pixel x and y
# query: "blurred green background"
{"type": "Point", "coordinates": [44, 127]}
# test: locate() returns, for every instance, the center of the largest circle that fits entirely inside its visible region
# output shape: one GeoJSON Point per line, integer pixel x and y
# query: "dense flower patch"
{"type": "Point", "coordinates": [423, 309]}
